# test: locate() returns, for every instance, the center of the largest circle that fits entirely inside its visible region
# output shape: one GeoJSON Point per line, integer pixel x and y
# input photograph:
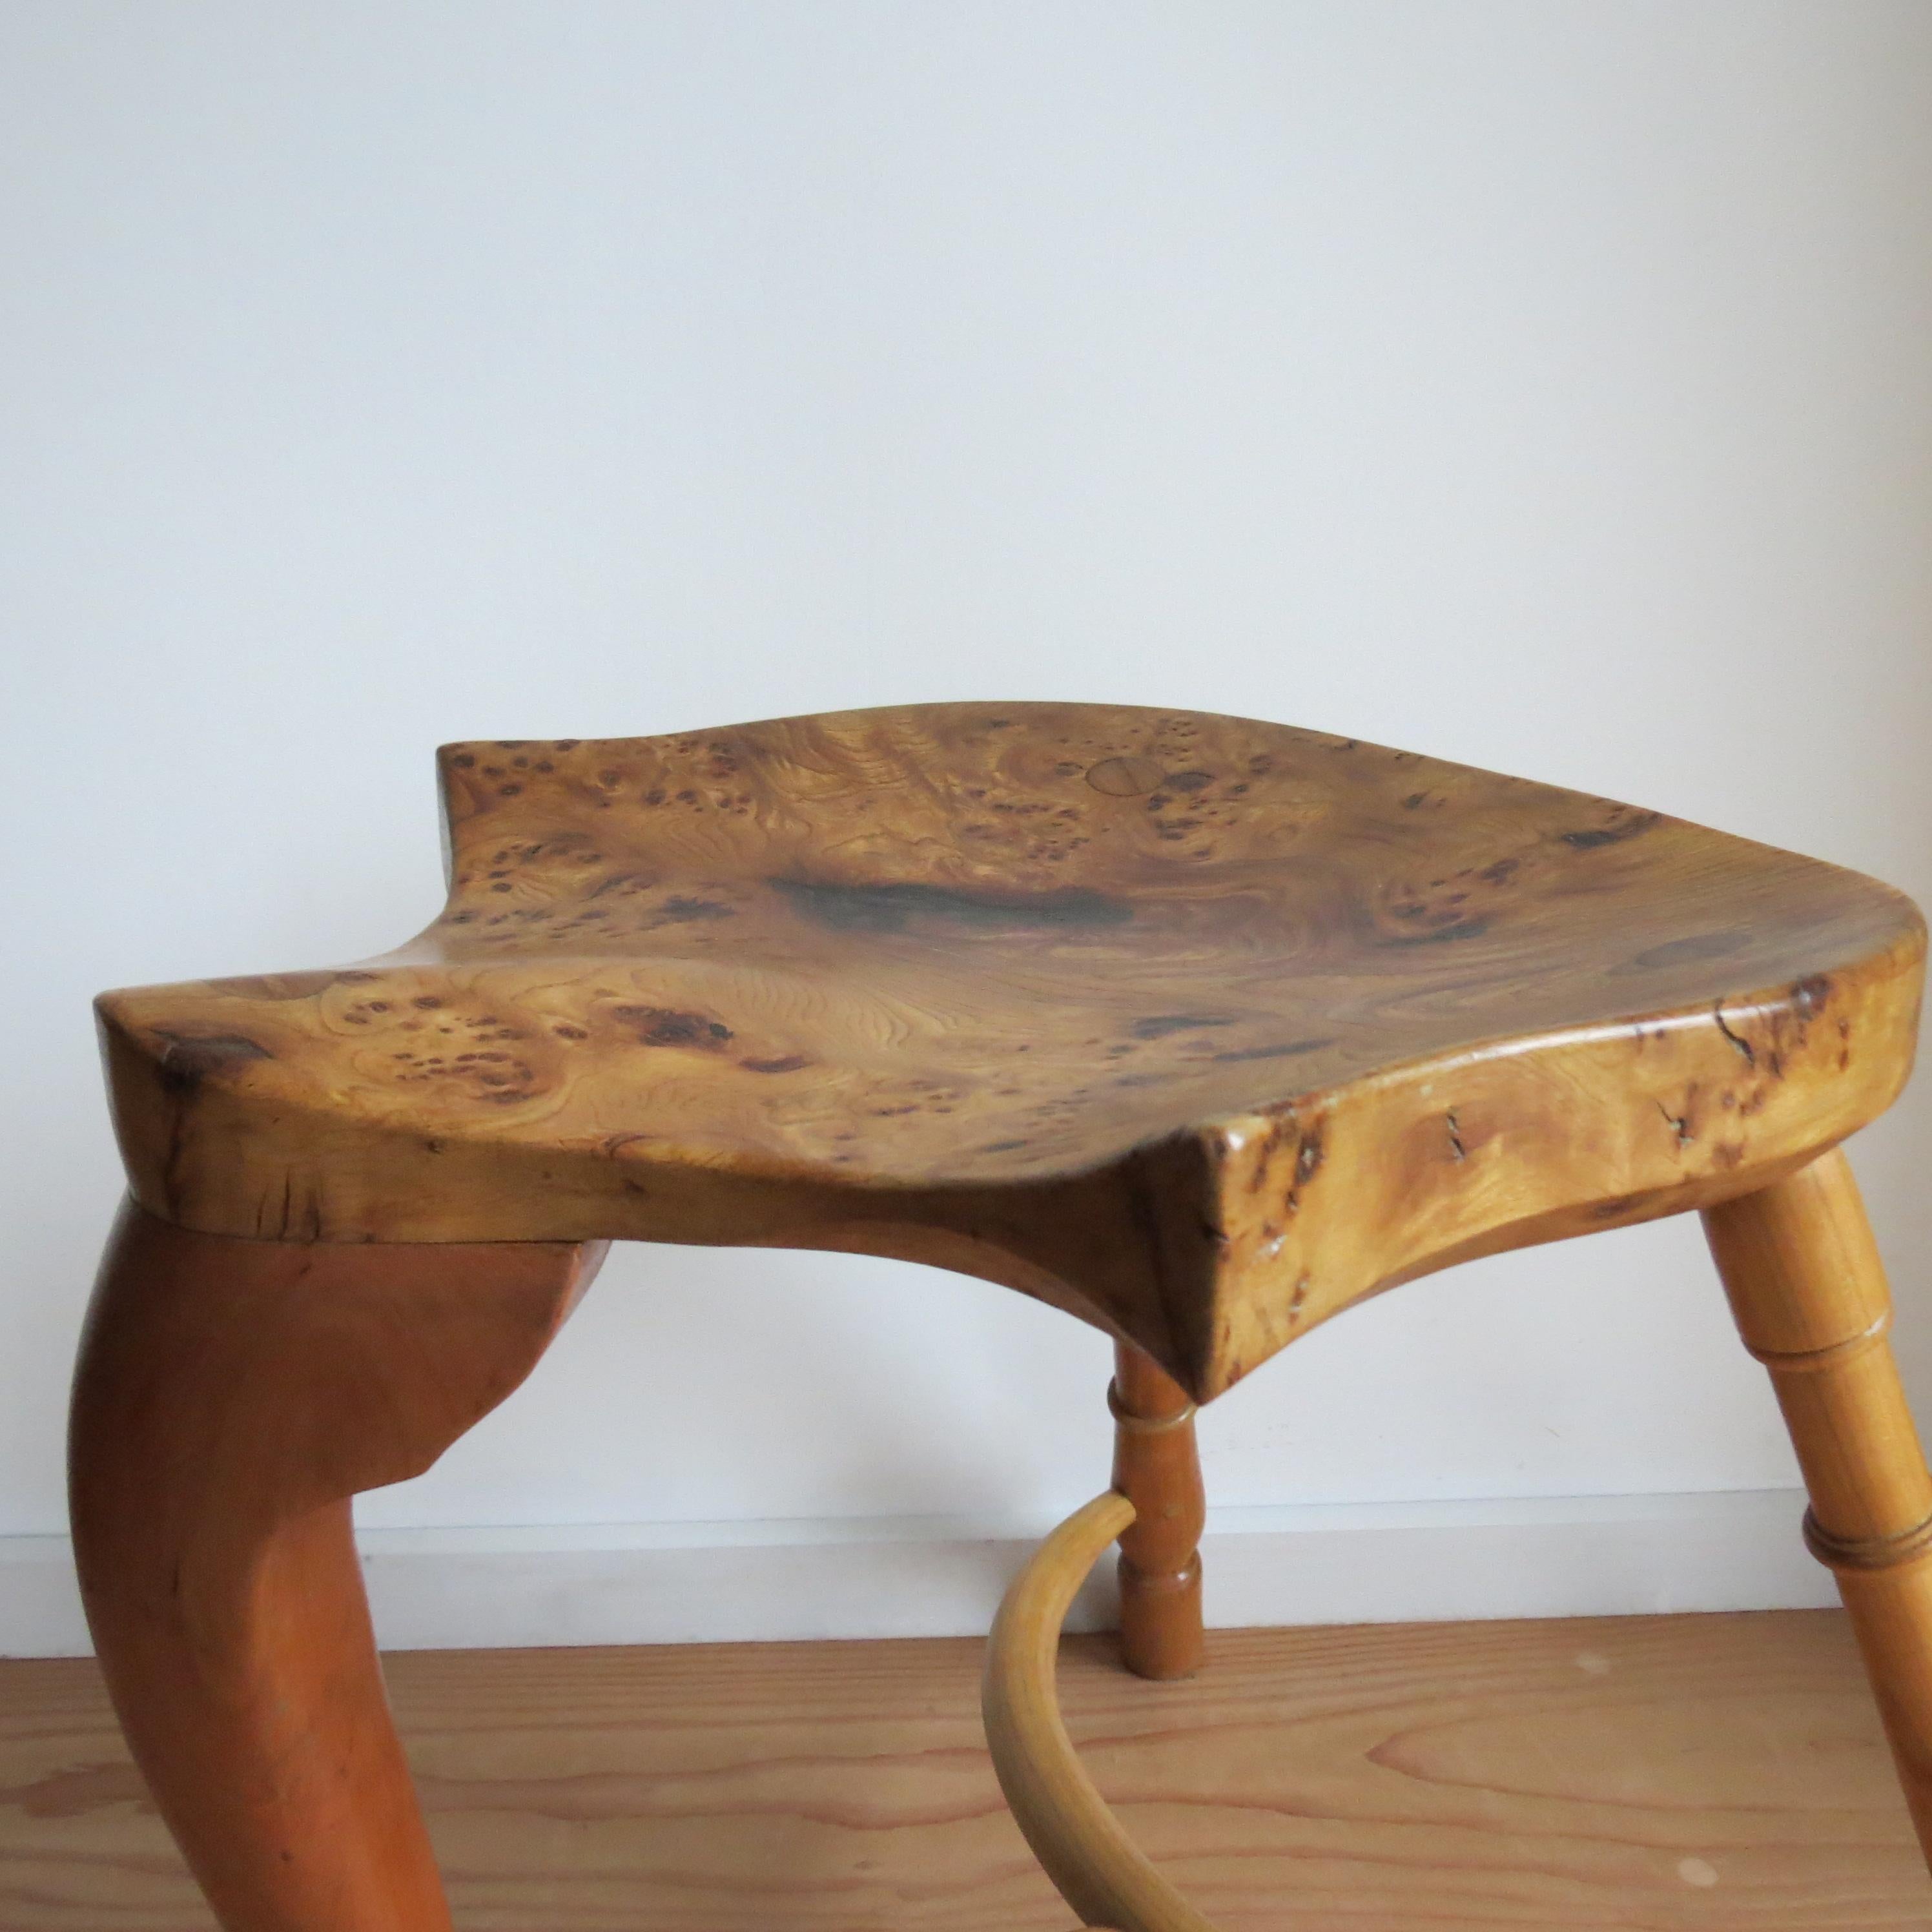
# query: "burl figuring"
{"type": "Point", "coordinates": [1201, 1027]}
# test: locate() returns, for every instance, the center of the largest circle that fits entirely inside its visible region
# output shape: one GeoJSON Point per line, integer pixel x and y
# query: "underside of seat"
{"type": "Point", "coordinates": [1203, 1027]}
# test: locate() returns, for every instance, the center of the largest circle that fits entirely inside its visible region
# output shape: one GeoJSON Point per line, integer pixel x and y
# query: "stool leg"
{"type": "Point", "coordinates": [1157, 1468]}
{"type": "Point", "coordinates": [231, 1395]}
{"type": "Point", "coordinates": [1809, 1292]}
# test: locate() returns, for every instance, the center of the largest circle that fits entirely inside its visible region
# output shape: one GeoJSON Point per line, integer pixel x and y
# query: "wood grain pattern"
{"type": "Point", "coordinates": [1711, 1774]}
{"type": "Point", "coordinates": [1202, 1028]}
{"type": "Point", "coordinates": [231, 1396]}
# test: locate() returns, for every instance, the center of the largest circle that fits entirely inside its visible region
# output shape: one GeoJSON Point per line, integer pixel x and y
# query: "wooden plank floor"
{"type": "Point", "coordinates": [1712, 1772]}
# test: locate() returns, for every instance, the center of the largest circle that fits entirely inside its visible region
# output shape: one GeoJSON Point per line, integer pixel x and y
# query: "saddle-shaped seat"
{"type": "Point", "coordinates": [1204, 1028]}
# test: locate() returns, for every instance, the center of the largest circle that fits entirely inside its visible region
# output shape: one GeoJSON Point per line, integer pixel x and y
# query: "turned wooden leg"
{"type": "Point", "coordinates": [1809, 1292]}
{"type": "Point", "coordinates": [1157, 1468]}
{"type": "Point", "coordinates": [231, 1396]}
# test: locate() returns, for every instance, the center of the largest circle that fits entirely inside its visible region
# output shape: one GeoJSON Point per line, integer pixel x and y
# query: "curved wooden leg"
{"type": "Point", "coordinates": [1157, 1468]}
{"type": "Point", "coordinates": [231, 1396]}
{"type": "Point", "coordinates": [1809, 1292]}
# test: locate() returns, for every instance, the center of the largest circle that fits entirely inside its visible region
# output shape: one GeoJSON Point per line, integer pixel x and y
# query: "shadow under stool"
{"type": "Point", "coordinates": [1199, 1029]}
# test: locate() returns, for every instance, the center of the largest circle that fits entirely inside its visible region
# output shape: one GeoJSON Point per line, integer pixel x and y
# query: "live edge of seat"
{"type": "Point", "coordinates": [1211, 1248]}
{"type": "Point", "coordinates": [1436, 1013]}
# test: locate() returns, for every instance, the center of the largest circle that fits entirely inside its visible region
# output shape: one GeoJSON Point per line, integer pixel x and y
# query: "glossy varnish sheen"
{"type": "Point", "coordinates": [1202, 1028]}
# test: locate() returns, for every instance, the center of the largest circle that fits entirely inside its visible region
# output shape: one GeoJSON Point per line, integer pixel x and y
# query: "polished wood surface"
{"type": "Point", "coordinates": [1202, 1028]}
{"type": "Point", "coordinates": [1708, 1774]}
{"type": "Point", "coordinates": [1809, 1291]}
{"type": "Point", "coordinates": [231, 1396]}
{"type": "Point", "coordinates": [1157, 1468]}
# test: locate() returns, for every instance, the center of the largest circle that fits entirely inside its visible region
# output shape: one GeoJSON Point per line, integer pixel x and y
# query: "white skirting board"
{"type": "Point", "coordinates": [943, 1575]}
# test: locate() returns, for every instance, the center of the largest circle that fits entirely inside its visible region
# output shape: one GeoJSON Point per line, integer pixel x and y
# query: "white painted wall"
{"type": "Point", "coordinates": [1546, 385]}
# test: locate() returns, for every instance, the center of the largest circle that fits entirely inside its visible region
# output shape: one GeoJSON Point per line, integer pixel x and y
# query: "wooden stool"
{"type": "Point", "coordinates": [1201, 1030]}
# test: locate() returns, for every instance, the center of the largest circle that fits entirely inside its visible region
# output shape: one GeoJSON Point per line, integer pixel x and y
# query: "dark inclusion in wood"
{"type": "Point", "coordinates": [1202, 1027]}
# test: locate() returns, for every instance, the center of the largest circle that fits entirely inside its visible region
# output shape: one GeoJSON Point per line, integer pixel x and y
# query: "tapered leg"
{"type": "Point", "coordinates": [1809, 1292]}
{"type": "Point", "coordinates": [231, 1396]}
{"type": "Point", "coordinates": [1157, 1468]}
